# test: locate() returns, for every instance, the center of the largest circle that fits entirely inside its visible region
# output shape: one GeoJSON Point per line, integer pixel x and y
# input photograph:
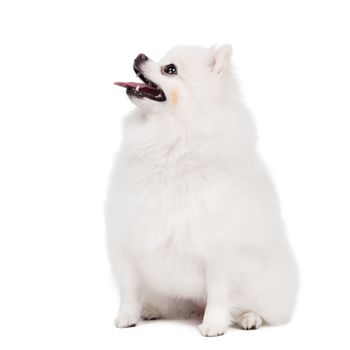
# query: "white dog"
{"type": "Point", "coordinates": [193, 221]}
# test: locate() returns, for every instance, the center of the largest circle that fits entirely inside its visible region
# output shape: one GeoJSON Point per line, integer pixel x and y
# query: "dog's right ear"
{"type": "Point", "coordinates": [221, 62]}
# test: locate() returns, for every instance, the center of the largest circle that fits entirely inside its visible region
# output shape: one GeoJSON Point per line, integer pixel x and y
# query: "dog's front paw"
{"type": "Point", "coordinates": [150, 313]}
{"type": "Point", "coordinates": [125, 321]}
{"type": "Point", "coordinates": [249, 320]}
{"type": "Point", "coordinates": [212, 329]}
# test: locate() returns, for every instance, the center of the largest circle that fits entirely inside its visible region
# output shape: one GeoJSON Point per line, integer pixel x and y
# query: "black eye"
{"type": "Point", "coordinates": [170, 69]}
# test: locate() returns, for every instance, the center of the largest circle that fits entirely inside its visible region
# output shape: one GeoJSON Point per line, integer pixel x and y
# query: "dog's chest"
{"type": "Point", "coordinates": [171, 196]}
{"type": "Point", "coordinates": [172, 180]}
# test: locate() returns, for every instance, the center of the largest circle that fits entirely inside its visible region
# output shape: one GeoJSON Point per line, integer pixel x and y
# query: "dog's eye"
{"type": "Point", "coordinates": [169, 69]}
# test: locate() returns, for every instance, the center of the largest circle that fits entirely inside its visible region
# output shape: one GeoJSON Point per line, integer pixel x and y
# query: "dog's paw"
{"type": "Point", "coordinates": [150, 313]}
{"type": "Point", "coordinates": [125, 321]}
{"type": "Point", "coordinates": [212, 329]}
{"type": "Point", "coordinates": [249, 320]}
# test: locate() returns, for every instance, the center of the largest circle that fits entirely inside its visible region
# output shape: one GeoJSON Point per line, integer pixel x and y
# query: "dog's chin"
{"type": "Point", "coordinates": [146, 105]}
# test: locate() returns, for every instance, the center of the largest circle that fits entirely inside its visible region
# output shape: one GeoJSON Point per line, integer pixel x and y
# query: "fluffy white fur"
{"type": "Point", "coordinates": [193, 220]}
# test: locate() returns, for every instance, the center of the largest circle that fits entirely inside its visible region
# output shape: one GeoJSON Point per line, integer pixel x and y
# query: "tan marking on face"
{"type": "Point", "coordinates": [174, 97]}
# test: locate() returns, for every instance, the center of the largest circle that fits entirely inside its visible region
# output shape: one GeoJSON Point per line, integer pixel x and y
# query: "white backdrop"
{"type": "Point", "coordinates": [60, 126]}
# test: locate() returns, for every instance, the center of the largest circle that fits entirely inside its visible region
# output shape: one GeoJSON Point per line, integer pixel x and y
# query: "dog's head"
{"type": "Point", "coordinates": [186, 76]}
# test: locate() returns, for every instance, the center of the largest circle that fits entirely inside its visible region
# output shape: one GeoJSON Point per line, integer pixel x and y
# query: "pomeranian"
{"type": "Point", "coordinates": [193, 220]}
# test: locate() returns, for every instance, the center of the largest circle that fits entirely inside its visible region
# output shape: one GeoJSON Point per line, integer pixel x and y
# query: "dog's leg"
{"type": "Point", "coordinates": [217, 316]}
{"type": "Point", "coordinates": [130, 301]}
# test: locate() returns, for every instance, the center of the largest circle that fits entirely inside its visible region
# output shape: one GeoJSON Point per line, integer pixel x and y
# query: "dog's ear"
{"type": "Point", "coordinates": [221, 62]}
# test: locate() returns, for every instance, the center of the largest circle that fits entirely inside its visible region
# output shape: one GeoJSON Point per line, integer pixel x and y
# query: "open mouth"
{"type": "Point", "coordinates": [148, 90]}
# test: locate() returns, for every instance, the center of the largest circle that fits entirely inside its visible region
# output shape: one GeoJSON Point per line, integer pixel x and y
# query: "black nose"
{"type": "Point", "coordinates": [140, 58]}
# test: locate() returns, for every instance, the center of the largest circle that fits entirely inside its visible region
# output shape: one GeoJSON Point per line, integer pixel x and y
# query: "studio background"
{"type": "Point", "coordinates": [60, 126]}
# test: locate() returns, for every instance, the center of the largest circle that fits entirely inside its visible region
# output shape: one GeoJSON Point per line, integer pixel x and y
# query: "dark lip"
{"type": "Point", "coordinates": [141, 75]}
{"type": "Point", "coordinates": [132, 92]}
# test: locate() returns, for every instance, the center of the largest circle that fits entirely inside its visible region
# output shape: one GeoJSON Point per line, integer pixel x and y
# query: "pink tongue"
{"type": "Point", "coordinates": [130, 85]}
